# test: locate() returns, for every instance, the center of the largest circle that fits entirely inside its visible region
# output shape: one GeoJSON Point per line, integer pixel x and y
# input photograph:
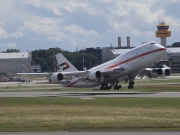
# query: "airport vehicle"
{"type": "Point", "coordinates": [123, 68]}
{"type": "Point", "coordinates": [155, 72]}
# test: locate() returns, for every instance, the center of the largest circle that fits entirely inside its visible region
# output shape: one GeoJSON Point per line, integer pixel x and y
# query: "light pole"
{"type": "Point", "coordinates": [23, 63]}
{"type": "Point", "coordinates": [27, 62]}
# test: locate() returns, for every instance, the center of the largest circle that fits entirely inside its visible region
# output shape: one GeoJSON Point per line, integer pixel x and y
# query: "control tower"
{"type": "Point", "coordinates": [163, 32]}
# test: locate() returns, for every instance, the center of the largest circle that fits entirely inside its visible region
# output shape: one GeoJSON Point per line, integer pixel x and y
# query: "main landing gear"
{"type": "Point", "coordinates": [117, 87]}
{"type": "Point", "coordinates": [131, 85]}
{"type": "Point", "coordinates": [105, 86]}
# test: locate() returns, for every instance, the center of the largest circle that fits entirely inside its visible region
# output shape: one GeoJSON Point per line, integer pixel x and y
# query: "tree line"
{"type": "Point", "coordinates": [47, 60]}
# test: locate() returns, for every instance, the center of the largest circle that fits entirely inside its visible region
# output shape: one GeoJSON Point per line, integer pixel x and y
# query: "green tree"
{"type": "Point", "coordinates": [176, 44]}
{"type": "Point", "coordinates": [11, 51]}
{"type": "Point", "coordinates": [76, 58]}
{"type": "Point", "coordinates": [45, 58]}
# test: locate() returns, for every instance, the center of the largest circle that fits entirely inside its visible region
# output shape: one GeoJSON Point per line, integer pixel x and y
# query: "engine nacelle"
{"type": "Point", "coordinates": [55, 78]}
{"type": "Point", "coordinates": [95, 75]}
{"type": "Point", "coordinates": [158, 71]}
{"type": "Point", "coordinates": [167, 72]}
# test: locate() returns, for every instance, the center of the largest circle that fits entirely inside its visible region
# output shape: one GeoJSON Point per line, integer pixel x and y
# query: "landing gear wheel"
{"type": "Point", "coordinates": [131, 83]}
{"type": "Point", "coordinates": [130, 87]}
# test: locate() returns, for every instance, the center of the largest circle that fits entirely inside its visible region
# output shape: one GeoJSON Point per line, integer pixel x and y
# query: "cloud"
{"type": "Point", "coordinates": [17, 34]}
{"type": "Point", "coordinates": [8, 45]}
{"type": "Point", "coordinates": [57, 7]}
{"type": "Point", "coordinates": [3, 33]}
{"type": "Point", "coordinates": [79, 31]}
{"type": "Point", "coordinates": [6, 35]}
{"type": "Point", "coordinates": [46, 27]}
{"type": "Point", "coordinates": [92, 23]}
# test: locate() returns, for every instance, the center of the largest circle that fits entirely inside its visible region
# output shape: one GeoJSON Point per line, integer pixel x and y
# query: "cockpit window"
{"type": "Point", "coordinates": [152, 43]}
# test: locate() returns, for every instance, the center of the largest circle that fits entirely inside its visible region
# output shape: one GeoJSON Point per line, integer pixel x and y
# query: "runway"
{"type": "Point", "coordinates": [90, 95]}
{"type": "Point", "coordinates": [89, 133]}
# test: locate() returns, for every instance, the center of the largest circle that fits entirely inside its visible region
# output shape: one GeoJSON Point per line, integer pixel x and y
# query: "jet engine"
{"type": "Point", "coordinates": [167, 72]}
{"type": "Point", "coordinates": [55, 78]}
{"type": "Point", "coordinates": [158, 71]}
{"type": "Point", "coordinates": [94, 75]}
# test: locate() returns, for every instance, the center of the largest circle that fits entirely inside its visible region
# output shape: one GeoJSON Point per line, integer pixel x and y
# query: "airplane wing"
{"type": "Point", "coordinates": [33, 75]}
{"type": "Point", "coordinates": [146, 72]}
{"type": "Point", "coordinates": [90, 75]}
{"type": "Point", "coordinates": [113, 70]}
{"type": "Point", "coordinates": [155, 72]}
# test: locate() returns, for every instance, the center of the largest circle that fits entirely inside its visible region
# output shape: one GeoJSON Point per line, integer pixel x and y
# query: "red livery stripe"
{"type": "Point", "coordinates": [135, 57]}
{"type": "Point", "coordinates": [71, 84]}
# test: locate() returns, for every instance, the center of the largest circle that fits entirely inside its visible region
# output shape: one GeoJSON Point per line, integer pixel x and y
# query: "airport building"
{"type": "Point", "coordinates": [96, 51]}
{"type": "Point", "coordinates": [17, 63]}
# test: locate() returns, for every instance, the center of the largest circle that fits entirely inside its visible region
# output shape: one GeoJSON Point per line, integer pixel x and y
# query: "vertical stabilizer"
{"type": "Point", "coordinates": [63, 64]}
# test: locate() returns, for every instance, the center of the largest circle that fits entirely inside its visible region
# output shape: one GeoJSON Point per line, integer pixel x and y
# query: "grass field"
{"type": "Point", "coordinates": [100, 114]}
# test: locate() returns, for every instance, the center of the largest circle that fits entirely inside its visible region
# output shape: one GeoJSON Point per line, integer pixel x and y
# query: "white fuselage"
{"type": "Point", "coordinates": [132, 61]}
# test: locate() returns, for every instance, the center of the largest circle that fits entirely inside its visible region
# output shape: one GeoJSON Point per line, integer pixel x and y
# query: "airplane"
{"type": "Point", "coordinates": [123, 68]}
{"type": "Point", "coordinates": [155, 72]}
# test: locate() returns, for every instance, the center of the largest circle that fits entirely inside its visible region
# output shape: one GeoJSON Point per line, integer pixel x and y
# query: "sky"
{"type": "Point", "coordinates": [77, 24]}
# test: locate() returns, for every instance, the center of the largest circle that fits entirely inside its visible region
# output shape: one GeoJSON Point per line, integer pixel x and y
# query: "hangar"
{"type": "Point", "coordinates": [17, 63]}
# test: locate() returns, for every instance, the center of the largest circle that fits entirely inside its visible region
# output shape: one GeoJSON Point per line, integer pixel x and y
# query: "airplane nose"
{"type": "Point", "coordinates": [162, 51]}
{"type": "Point", "coordinates": [161, 47]}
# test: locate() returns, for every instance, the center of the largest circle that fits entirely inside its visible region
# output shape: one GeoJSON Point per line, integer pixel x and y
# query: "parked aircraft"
{"type": "Point", "coordinates": [123, 68]}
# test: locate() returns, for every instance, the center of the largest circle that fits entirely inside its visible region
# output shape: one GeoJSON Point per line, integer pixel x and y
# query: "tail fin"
{"type": "Point", "coordinates": [63, 64]}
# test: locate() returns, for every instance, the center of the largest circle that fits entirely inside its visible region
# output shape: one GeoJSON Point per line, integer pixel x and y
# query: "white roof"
{"type": "Point", "coordinates": [14, 55]}
{"type": "Point", "coordinates": [173, 50]}
{"type": "Point", "coordinates": [121, 51]}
